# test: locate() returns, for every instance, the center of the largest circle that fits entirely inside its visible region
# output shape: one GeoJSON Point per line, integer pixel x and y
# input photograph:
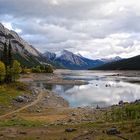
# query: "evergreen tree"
{"type": "Point", "coordinates": [5, 55]}
{"type": "Point", "coordinates": [10, 59]}
{"type": "Point", "coordinates": [9, 63]}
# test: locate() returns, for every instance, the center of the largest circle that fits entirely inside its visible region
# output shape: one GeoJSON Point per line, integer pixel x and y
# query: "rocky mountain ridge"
{"type": "Point", "coordinates": [22, 50]}
{"type": "Point", "coordinates": [70, 60]}
{"type": "Point", "coordinates": [30, 57]}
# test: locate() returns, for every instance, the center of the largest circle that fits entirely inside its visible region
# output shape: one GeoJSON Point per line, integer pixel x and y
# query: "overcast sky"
{"type": "Point", "coordinates": [93, 28]}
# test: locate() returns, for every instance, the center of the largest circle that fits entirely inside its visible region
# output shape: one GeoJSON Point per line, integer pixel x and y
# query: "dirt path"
{"type": "Point", "coordinates": [39, 97]}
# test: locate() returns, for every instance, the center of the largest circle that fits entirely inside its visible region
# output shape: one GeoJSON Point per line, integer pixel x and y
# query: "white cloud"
{"type": "Point", "coordinates": [94, 28]}
{"type": "Point", "coordinates": [8, 25]}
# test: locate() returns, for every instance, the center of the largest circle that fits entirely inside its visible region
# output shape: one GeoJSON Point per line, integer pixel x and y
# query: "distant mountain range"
{"type": "Point", "coordinates": [73, 61]}
{"type": "Point", "coordinates": [30, 57]}
{"type": "Point", "coordinates": [125, 64]}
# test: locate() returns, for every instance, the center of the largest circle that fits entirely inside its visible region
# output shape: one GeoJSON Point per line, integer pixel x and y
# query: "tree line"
{"type": "Point", "coordinates": [9, 68]}
{"type": "Point", "coordinates": [38, 69]}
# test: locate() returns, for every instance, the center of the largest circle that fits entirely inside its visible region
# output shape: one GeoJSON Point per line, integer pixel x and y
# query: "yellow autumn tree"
{"type": "Point", "coordinates": [16, 70]}
{"type": "Point", "coordinates": [2, 71]}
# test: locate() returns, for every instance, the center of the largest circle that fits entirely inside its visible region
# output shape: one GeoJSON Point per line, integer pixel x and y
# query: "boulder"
{"type": "Point", "coordinates": [112, 131]}
{"type": "Point", "coordinates": [20, 99]}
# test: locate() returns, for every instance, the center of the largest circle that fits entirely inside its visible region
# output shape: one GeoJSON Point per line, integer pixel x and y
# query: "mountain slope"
{"type": "Point", "coordinates": [72, 61]}
{"type": "Point", "coordinates": [49, 55]}
{"type": "Point", "coordinates": [125, 64]}
{"type": "Point", "coordinates": [22, 51]}
{"type": "Point", "coordinates": [112, 59]}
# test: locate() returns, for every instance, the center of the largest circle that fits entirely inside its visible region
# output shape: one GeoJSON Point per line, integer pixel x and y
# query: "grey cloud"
{"type": "Point", "coordinates": [41, 8]}
{"type": "Point", "coordinates": [95, 28]}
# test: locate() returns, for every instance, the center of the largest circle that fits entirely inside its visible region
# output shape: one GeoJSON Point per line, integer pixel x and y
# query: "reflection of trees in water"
{"type": "Point", "coordinates": [67, 87]}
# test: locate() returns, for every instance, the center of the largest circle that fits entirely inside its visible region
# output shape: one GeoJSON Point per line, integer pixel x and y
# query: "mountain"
{"type": "Point", "coordinates": [30, 57]}
{"type": "Point", "coordinates": [72, 61]}
{"type": "Point", "coordinates": [124, 64]}
{"type": "Point", "coordinates": [22, 51]}
{"type": "Point", "coordinates": [49, 55]}
{"type": "Point", "coordinates": [112, 59]}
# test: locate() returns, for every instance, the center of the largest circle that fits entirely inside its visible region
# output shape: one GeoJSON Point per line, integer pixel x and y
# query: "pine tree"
{"type": "Point", "coordinates": [10, 59]}
{"type": "Point", "coordinates": [9, 73]}
{"type": "Point", "coordinates": [5, 55]}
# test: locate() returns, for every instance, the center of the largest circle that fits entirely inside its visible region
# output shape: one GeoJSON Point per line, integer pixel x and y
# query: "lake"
{"type": "Point", "coordinates": [103, 88]}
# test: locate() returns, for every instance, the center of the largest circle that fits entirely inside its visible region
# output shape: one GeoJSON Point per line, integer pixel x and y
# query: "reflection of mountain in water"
{"type": "Point", "coordinates": [103, 90]}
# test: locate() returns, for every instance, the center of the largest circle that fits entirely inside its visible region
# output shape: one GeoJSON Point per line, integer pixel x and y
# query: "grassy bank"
{"type": "Point", "coordinates": [10, 91]}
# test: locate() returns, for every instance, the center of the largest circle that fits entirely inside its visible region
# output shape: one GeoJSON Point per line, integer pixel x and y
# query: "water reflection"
{"type": "Point", "coordinates": [93, 94]}
{"type": "Point", "coordinates": [102, 90]}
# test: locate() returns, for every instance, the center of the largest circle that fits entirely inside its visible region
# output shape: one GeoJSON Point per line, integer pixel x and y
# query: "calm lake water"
{"type": "Point", "coordinates": [103, 89]}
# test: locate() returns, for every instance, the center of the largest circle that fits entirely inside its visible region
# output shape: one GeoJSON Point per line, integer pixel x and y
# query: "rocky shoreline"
{"type": "Point", "coordinates": [49, 79]}
{"type": "Point", "coordinates": [51, 99]}
{"type": "Point", "coordinates": [49, 116]}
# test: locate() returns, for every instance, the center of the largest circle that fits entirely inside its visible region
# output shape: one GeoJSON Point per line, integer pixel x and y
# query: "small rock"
{"type": "Point", "coordinates": [19, 99]}
{"type": "Point", "coordinates": [23, 132]}
{"type": "Point", "coordinates": [121, 103]}
{"type": "Point", "coordinates": [70, 129]}
{"type": "Point", "coordinates": [112, 131]}
{"type": "Point", "coordinates": [38, 111]}
{"type": "Point", "coordinates": [73, 114]}
{"type": "Point", "coordinates": [1, 135]}
{"type": "Point", "coordinates": [85, 132]}
{"type": "Point", "coordinates": [65, 123]}
{"type": "Point", "coordinates": [70, 120]}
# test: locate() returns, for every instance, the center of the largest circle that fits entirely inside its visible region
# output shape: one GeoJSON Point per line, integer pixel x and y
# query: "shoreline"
{"type": "Point", "coordinates": [50, 117]}
{"type": "Point", "coordinates": [49, 79]}
{"type": "Point", "coordinates": [56, 79]}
